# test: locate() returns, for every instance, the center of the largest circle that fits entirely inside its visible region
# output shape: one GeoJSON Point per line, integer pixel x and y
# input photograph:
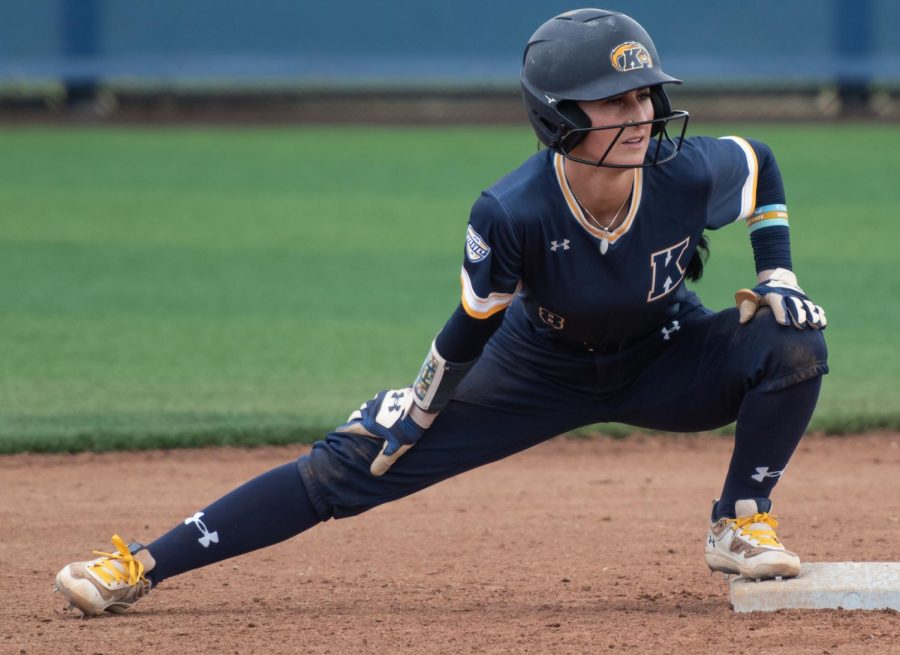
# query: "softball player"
{"type": "Point", "coordinates": [574, 311]}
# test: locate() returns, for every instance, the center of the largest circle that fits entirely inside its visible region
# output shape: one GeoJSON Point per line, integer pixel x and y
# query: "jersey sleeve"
{"type": "Point", "coordinates": [734, 172]}
{"type": "Point", "coordinates": [491, 270]}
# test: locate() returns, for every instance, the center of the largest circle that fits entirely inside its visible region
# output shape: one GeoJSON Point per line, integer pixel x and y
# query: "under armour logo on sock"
{"type": "Point", "coordinates": [762, 472]}
{"type": "Point", "coordinates": [667, 334]}
{"type": "Point", "coordinates": [208, 537]}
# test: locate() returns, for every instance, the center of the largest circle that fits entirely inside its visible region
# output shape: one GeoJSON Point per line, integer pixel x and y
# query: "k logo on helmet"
{"type": "Point", "coordinates": [630, 56]}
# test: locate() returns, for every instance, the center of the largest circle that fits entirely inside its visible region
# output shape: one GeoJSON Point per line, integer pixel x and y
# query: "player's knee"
{"type": "Point", "coordinates": [793, 355]}
{"type": "Point", "coordinates": [801, 348]}
{"type": "Point", "coordinates": [336, 473]}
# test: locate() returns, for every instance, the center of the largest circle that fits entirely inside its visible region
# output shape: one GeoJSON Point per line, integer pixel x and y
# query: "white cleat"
{"type": "Point", "coordinates": [112, 583]}
{"type": "Point", "coordinates": [748, 546]}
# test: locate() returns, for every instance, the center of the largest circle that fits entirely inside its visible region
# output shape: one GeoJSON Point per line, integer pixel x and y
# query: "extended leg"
{"type": "Point", "coordinates": [334, 481]}
{"type": "Point", "coordinates": [264, 511]}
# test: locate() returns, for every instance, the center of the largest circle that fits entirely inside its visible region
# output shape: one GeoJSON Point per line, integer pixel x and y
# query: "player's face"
{"type": "Point", "coordinates": [631, 146]}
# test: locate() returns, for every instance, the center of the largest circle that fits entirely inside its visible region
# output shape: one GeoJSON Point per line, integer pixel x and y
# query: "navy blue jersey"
{"type": "Point", "coordinates": [528, 238]}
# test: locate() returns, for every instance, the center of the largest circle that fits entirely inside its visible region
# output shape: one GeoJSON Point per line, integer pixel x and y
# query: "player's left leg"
{"type": "Point", "coordinates": [767, 378]}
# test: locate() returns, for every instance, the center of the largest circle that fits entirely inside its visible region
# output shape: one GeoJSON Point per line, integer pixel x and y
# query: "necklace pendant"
{"type": "Point", "coordinates": [604, 246]}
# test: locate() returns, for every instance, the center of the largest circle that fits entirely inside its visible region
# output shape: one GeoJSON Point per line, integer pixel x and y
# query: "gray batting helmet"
{"type": "Point", "coordinates": [591, 54]}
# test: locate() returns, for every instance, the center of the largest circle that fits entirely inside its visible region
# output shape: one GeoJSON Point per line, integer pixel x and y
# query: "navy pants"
{"type": "Point", "coordinates": [527, 388]}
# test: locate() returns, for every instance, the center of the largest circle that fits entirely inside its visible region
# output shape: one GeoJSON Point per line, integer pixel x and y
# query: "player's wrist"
{"type": "Point", "coordinates": [421, 417]}
{"type": "Point", "coordinates": [437, 381]}
{"type": "Point", "coordinates": [777, 274]}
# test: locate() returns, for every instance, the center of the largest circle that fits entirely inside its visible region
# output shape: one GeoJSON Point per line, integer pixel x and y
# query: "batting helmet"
{"type": "Point", "coordinates": [592, 54]}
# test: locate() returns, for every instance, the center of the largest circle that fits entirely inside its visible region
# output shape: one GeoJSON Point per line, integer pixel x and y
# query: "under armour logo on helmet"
{"type": "Point", "coordinates": [208, 537]}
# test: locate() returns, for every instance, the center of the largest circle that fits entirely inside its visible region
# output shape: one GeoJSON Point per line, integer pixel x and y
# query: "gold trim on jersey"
{"type": "Point", "coordinates": [575, 208]}
{"type": "Point", "coordinates": [478, 307]}
{"type": "Point", "coordinates": [748, 191]}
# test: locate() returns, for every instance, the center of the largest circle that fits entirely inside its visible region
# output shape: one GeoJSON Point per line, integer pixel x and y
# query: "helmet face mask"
{"type": "Point", "coordinates": [593, 54]}
{"type": "Point", "coordinates": [659, 133]}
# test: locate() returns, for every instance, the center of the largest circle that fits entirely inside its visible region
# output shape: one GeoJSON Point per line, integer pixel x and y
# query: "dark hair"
{"type": "Point", "coordinates": [698, 259]}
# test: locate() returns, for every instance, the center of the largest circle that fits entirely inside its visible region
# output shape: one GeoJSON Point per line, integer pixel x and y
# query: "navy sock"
{"type": "Point", "coordinates": [267, 509]}
{"type": "Point", "coordinates": [769, 427]}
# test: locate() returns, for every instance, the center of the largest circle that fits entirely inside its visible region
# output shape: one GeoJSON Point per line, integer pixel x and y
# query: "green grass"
{"type": "Point", "coordinates": [168, 287]}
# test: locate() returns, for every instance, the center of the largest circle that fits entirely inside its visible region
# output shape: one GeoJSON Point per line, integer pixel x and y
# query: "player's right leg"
{"type": "Point", "coordinates": [517, 407]}
{"type": "Point", "coordinates": [266, 510]}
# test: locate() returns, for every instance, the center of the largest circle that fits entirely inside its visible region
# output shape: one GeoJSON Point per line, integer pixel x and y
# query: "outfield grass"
{"type": "Point", "coordinates": [164, 287]}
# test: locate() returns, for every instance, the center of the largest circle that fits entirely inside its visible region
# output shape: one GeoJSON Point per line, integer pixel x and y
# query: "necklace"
{"type": "Point", "coordinates": [604, 241]}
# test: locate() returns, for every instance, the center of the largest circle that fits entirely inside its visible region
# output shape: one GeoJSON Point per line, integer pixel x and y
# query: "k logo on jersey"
{"type": "Point", "coordinates": [477, 248]}
{"type": "Point", "coordinates": [630, 56]}
{"type": "Point", "coordinates": [667, 269]}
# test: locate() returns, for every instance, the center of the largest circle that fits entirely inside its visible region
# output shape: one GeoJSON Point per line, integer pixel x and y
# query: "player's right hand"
{"type": "Point", "coordinates": [389, 416]}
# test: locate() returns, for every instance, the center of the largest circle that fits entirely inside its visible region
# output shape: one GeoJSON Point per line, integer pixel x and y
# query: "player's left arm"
{"type": "Point", "coordinates": [751, 182]}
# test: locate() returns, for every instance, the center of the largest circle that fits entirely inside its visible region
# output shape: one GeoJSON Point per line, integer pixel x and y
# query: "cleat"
{"type": "Point", "coordinates": [748, 546]}
{"type": "Point", "coordinates": [112, 583]}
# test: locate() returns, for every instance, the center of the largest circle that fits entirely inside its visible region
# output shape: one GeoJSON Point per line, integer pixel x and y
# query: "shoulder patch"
{"type": "Point", "coordinates": [477, 248]}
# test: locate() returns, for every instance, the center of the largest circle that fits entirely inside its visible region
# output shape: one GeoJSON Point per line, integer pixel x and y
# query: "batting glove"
{"type": "Point", "coordinates": [389, 416]}
{"type": "Point", "coordinates": [789, 303]}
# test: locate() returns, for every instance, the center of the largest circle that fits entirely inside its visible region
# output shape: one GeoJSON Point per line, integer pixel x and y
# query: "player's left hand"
{"type": "Point", "coordinates": [389, 416]}
{"type": "Point", "coordinates": [789, 303]}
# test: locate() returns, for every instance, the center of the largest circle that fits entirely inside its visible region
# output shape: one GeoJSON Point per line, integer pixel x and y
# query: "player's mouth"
{"type": "Point", "coordinates": [633, 141]}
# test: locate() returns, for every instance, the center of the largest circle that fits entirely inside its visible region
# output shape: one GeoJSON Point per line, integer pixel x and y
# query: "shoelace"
{"type": "Point", "coordinates": [114, 566]}
{"type": "Point", "coordinates": [764, 536]}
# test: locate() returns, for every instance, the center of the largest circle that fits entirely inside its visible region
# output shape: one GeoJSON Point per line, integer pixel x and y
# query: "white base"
{"type": "Point", "coordinates": [823, 585]}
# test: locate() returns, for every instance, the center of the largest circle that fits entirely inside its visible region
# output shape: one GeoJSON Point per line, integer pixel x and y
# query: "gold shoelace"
{"type": "Point", "coordinates": [765, 536]}
{"type": "Point", "coordinates": [108, 569]}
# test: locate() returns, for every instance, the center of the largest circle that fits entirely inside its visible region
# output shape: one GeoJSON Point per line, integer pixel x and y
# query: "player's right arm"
{"type": "Point", "coordinates": [490, 278]}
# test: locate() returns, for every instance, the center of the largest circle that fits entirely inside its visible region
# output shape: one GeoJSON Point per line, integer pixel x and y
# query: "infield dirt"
{"type": "Point", "coordinates": [574, 546]}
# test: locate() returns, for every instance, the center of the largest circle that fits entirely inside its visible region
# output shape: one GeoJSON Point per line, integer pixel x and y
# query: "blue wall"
{"type": "Point", "coordinates": [416, 41]}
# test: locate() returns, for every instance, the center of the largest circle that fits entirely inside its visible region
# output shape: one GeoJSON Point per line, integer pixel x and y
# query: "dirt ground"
{"type": "Point", "coordinates": [575, 546]}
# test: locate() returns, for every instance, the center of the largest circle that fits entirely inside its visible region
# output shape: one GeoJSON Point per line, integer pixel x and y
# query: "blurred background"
{"type": "Point", "coordinates": [421, 61]}
{"type": "Point", "coordinates": [226, 222]}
